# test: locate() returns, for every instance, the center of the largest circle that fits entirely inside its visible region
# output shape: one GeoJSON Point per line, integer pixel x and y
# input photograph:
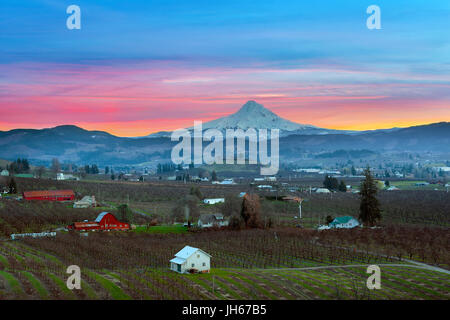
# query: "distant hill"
{"type": "Point", "coordinates": [73, 144]}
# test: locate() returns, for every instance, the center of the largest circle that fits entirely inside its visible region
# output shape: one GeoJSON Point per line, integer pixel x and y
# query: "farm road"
{"type": "Point", "coordinates": [413, 264]}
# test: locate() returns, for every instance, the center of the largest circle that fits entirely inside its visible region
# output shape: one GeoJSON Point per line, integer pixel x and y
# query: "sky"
{"type": "Point", "coordinates": [138, 67]}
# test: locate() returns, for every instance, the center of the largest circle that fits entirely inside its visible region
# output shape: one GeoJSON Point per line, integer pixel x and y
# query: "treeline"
{"type": "Point", "coordinates": [334, 184]}
{"type": "Point", "coordinates": [18, 166]}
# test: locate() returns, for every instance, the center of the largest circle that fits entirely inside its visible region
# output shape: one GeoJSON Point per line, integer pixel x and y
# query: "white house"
{"type": "Point", "coordinates": [322, 190]}
{"type": "Point", "coordinates": [210, 220]}
{"type": "Point", "coordinates": [346, 222]}
{"type": "Point", "coordinates": [264, 186]}
{"type": "Point", "coordinates": [4, 173]}
{"type": "Point", "coordinates": [62, 176]}
{"type": "Point", "coordinates": [86, 202]}
{"type": "Point", "coordinates": [214, 200]}
{"type": "Point", "coordinates": [227, 181]}
{"type": "Point", "coordinates": [190, 258]}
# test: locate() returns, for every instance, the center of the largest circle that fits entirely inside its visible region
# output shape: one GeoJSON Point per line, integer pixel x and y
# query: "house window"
{"type": "Point", "coordinates": [204, 264]}
{"type": "Point", "coordinates": [198, 256]}
{"type": "Point", "coordinates": [193, 265]}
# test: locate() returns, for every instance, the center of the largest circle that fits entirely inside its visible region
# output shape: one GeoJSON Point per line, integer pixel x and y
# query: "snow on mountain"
{"type": "Point", "coordinates": [255, 115]}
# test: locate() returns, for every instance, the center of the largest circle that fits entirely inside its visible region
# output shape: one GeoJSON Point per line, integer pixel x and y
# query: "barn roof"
{"type": "Point", "coordinates": [187, 251]}
{"type": "Point", "coordinates": [100, 216]}
{"type": "Point", "coordinates": [48, 193]}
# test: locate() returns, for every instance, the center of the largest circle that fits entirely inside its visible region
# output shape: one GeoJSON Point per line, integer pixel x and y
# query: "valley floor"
{"type": "Point", "coordinates": [29, 273]}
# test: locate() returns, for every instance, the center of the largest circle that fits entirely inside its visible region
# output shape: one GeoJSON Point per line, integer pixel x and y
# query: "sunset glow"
{"type": "Point", "coordinates": [155, 76]}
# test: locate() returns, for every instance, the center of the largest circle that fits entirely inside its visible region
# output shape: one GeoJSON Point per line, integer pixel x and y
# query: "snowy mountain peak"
{"type": "Point", "coordinates": [254, 115]}
{"type": "Point", "coordinates": [252, 107]}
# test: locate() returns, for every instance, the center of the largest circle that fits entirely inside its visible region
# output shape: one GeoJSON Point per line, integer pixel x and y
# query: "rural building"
{"type": "Point", "coordinates": [49, 195]}
{"type": "Point", "coordinates": [346, 222]}
{"type": "Point", "coordinates": [270, 179]}
{"type": "Point", "coordinates": [86, 202]}
{"type": "Point", "coordinates": [264, 186]}
{"type": "Point", "coordinates": [214, 201]}
{"type": "Point", "coordinates": [227, 181]}
{"type": "Point", "coordinates": [104, 222]}
{"type": "Point", "coordinates": [63, 176]}
{"type": "Point", "coordinates": [190, 259]}
{"type": "Point", "coordinates": [211, 220]}
{"type": "Point", "coordinates": [4, 173]}
{"type": "Point", "coordinates": [322, 190]}
{"type": "Point", "coordinates": [16, 236]}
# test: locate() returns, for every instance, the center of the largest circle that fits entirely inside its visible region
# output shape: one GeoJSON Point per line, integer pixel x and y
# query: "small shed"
{"type": "Point", "coordinates": [191, 259]}
{"type": "Point", "coordinates": [4, 173]}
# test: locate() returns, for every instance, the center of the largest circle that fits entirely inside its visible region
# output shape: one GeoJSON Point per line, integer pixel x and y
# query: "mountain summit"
{"type": "Point", "coordinates": [255, 115]}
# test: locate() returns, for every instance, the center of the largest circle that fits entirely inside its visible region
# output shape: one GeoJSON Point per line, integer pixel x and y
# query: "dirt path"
{"type": "Point", "coordinates": [413, 264]}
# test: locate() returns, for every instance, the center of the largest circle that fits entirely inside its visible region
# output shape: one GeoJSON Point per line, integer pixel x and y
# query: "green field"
{"type": "Point", "coordinates": [164, 229]}
{"type": "Point", "coordinates": [411, 185]}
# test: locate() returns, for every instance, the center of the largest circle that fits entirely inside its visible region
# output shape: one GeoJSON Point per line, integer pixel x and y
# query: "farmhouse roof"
{"type": "Point", "coordinates": [178, 260]}
{"type": "Point", "coordinates": [187, 251]}
{"type": "Point", "coordinates": [340, 220]}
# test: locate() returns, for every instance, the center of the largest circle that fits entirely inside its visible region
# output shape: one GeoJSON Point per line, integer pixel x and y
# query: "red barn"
{"type": "Point", "coordinates": [50, 195]}
{"type": "Point", "coordinates": [104, 222]}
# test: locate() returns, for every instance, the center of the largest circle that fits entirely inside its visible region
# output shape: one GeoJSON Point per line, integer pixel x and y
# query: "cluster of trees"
{"type": "Point", "coordinates": [19, 166]}
{"type": "Point", "coordinates": [167, 167]}
{"type": "Point", "coordinates": [93, 169]}
{"type": "Point", "coordinates": [334, 184]}
{"type": "Point", "coordinates": [250, 214]}
{"type": "Point", "coordinates": [125, 214]}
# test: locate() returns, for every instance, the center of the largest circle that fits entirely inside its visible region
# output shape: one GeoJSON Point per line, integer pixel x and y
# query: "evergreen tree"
{"type": "Point", "coordinates": [125, 213]}
{"type": "Point", "coordinates": [330, 183]}
{"type": "Point", "coordinates": [342, 187]}
{"type": "Point", "coordinates": [12, 186]}
{"type": "Point", "coordinates": [214, 176]}
{"type": "Point", "coordinates": [369, 209]}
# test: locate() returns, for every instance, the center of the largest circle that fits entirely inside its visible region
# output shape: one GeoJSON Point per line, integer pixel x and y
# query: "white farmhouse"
{"type": "Point", "coordinates": [190, 258]}
{"type": "Point", "coordinates": [4, 173]}
{"type": "Point", "coordinates": [211, 220]}
{"type": "Point", "coordinates": [214, 201]}
{"type": "Point", "coordinates": [322, 190]}
{"type": "Point", "coordinates": [346, 222]}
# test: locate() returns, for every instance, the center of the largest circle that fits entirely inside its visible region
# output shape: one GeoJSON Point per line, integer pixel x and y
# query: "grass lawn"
{"type": "Point", "coordinates": [176, 228]}
{"type": "Point", "coordinates": [411, 185]}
